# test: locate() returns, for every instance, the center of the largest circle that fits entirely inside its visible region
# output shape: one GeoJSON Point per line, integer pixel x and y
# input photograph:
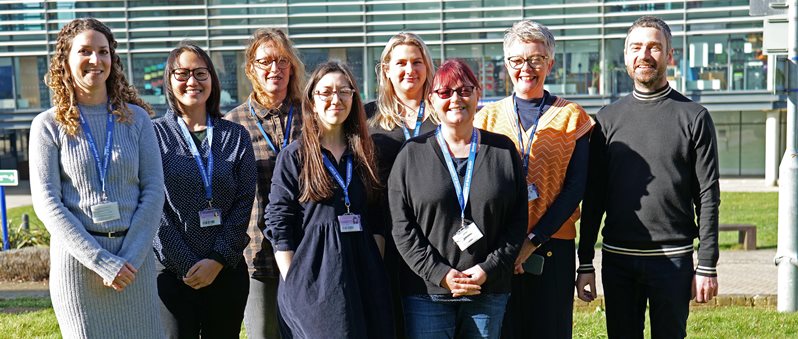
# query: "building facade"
{"type": "Point", "coordinates": [718, 59]}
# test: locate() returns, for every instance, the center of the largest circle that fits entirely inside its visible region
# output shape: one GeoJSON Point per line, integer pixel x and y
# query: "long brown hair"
{"type": "Point", "coordinates": [388, 106]}
{"type": "Point", "coordinates": [314, 181]}
{"type": "Point", "coordinates": [278, 39]}
{"type": "Point", "coordinates": [59, 77]}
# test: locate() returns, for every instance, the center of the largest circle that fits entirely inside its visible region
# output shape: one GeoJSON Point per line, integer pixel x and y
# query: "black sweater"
{"type": "Point", "coordinates": [426, 214]}
{"type": "Point", "coordinates": [654, 171]}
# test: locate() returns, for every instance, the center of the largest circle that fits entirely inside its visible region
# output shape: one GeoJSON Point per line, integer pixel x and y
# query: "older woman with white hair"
{"type": "Point", "coordinates": [551, 135]}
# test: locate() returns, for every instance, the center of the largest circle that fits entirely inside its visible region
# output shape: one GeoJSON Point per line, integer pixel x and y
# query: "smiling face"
{"type": "Point", "coordinates": [453, 103]}
{"type": "Point", "coordinates": [406, 70]}
{"type": "Point", "coordinates": [89, 61]}
{"type": "Point", "coordinates": [336, 89]}
{"type": "Point", "coordinates": [647, 56]}
{"type": "Point", "coordinates": [191, 94]}
{"type": "Point", "coordinates": [271, 77]}
{"type": "Point", "coordinates": [528, 80]}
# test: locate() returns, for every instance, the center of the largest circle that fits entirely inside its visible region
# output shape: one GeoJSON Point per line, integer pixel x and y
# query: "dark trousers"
{"type": "Point", "coordinates": [215, 311]}
{"type": "Point", "coordinates": [541, 306]}
{"type": "Point", "coordinates": [262, 316]}
{"type": "Point", "coordinates": [630, 282]}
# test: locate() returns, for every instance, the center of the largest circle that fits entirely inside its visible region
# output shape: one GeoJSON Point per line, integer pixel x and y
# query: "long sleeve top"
{"type": "Point", "coordinates": [181, 242]}
{"type": "Point", "coordinates": [426, 213]}
{"type": "Point", "coordinates": [259, 254]}
{"type": "Point", "coordinates": [65, 184]}
{"type": "Point", "coordinates": [654, 172]}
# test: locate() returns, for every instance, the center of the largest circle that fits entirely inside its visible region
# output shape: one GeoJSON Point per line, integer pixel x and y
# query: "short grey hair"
{"type": "Point", "coordinates": [528, 31]}
{"type": "Point", "coordinates": [651, 22]}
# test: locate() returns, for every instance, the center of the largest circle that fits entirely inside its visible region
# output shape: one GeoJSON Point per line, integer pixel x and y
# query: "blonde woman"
{"type": "Point", "coordinates": [402, 111]}
{"type": "Point", "coordinates": [97, 185]}
{"type": "Point", "coordinates": [272, 116]}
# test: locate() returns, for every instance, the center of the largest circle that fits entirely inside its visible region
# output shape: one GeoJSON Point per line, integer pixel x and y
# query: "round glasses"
{"type": "Point", "coordinates": [183, 74]}
{"type": "Point", "coordinates": [535, 61]}
{"type": "Point", "coordinates": [327, 95]}
{"type": "Point", "coordinates": [266, 63]}
{"type": "Point", "coordinates": [463, 92]}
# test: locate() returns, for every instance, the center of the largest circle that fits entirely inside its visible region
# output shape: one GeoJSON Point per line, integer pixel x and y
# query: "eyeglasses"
{"type": "Point", "coordinates": [183, 74]}
{"type": "Point", "coordinates": [463, 92]}
{"type": "Point", "coordinates": [266, 63]}
{"type": "Point", "coordinates": [535, 61]}
{"type": "Point", "coordinates": [327, 95]}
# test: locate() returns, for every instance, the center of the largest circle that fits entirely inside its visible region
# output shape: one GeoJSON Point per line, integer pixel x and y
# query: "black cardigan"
{"type": "Point", "coordinates": [426, 213]}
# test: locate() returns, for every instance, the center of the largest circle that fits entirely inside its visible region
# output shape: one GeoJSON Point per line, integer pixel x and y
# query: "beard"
{"type": "Point", "coordinates": [648, 78]}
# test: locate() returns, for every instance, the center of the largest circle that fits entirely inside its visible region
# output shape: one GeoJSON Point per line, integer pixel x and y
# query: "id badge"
{"type": "Point", "coordinates": [466, 236]}
{"type": "Point", "coordinates": [531, 192]}
{"type": "Point", "coordinates": [350, 223]}
{"type": "Point", "coordinates": [104, 212]}
{"type": "Point", "coordinates": [210, 217]}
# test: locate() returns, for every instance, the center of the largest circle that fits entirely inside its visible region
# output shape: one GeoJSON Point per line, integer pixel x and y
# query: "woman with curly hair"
{"type": "Point", "coordinates": [334, 284]}
{"type": "Point", "coordinates": [97, 186]}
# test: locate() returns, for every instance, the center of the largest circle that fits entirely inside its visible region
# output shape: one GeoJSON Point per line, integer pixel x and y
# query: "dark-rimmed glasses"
{"type": "Point", "coordinates": [266, 63]}
{"type": "Point", "coordinates": [327, 95]}
{"type": "Point", "coordinates": [535, 61]}
{"type": "Point", "coordinates": [446, 93]}
{"type": "Point", "coordinates": [199, 73]}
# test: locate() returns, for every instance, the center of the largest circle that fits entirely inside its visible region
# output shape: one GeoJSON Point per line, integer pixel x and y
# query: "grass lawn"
{"type": "Point", "coordinates": [34, 318]}
{"type": "Point", "coordinates": [758, 208]}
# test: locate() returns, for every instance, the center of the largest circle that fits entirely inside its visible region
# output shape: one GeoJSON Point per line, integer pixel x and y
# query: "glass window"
{"type": "Point", "coordinates": [234, 83]}
{"type": "Point", "coordinates": [21, 83]}
{"type": "Point", "coordinates": [726, 62]}
{"type": "Point", "coordinates": [575, 63]}
{"type": "Point", "coordinates": [147, 76]}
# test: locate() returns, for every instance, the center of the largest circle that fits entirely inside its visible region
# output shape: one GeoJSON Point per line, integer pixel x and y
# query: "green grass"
{"type": "Point", "coordinates": [15, 217]}
{"type": "Point", "coordinates": [34, 318]}
{"type": "Point", "coordinates": [759, 208]}
{"type": "Point", "coordinates": [708, 322]}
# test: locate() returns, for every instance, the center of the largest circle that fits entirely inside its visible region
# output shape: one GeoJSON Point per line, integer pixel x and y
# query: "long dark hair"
{"type": "Point", "coordinates": [315, 182]}
{"type": "Point", "coordinates": [212, 105]}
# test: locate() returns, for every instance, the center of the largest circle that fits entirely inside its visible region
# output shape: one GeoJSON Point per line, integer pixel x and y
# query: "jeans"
{"type": "Point", "coordinates": [630, 281]}
{"type": "Point", "coordinates": [479, 318]}
{"type": "Point", "coordinates": [261, 316]}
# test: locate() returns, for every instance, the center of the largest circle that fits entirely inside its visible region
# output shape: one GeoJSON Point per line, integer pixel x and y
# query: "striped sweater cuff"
{"type": "Point", "coordinates": [706, 271]}
{"type": "Point", "coordinates": [586, 268]}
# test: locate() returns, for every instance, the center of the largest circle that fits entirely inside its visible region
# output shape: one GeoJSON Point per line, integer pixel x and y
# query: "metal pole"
{"type": "Point", "coordinates": [787, 253]}
{"type": "Point", "coordinates": [6, 245]}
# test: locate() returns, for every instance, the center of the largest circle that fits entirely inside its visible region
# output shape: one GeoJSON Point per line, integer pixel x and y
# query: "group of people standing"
{"type": "Point", "coordinates": [305, 213]}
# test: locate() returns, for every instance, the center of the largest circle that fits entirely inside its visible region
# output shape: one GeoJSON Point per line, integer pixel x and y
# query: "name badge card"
{"type": "Point", "coordinates": [210, 217]}
{"type": "Point", "coordinates": [107, 211]}
{"type": "Point", "coordinates": [531, 192]}
{"type": "Point", "coordinates": [466, 236]}
{"type": "Point", "coordinates": [350, 223]}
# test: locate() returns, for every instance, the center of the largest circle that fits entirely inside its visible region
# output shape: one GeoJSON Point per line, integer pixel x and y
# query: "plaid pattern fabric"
{"type": "Point", "coordinates": [259, 254]}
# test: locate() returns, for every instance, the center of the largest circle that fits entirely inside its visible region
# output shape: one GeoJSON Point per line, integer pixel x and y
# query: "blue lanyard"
{"type": "Point", "coordinates": [419, 120]}
{"type": "Point", "coordinates": [206, 175]}
{"type": "Point", "coordinates": [337, 176]}
{"type": "Point", "coordinates": [528, 149]}
{"type": "Point", "coordinates": [286, 132]}
{"type": "Point", "coordinates": [462, 194]}
{"type": "Point", "coordinates": [100, 165]}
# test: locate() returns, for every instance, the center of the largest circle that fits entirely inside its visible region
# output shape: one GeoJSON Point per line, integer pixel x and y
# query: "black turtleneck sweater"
{"type": "Point", "coordinates": [654, 172]}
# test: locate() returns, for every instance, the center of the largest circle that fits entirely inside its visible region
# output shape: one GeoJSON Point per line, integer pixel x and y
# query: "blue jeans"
{"type": "Point", "coordinates": [479, 318]}
{"type": "Point", "coordinates": [630, 282]}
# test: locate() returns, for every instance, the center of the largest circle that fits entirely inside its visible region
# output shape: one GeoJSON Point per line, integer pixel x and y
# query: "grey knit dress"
{"type": "Point", "coordinates": [64, 185]}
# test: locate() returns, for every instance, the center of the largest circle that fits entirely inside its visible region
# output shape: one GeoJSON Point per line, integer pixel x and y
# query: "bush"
{"type": "Point", "coordinates": [25, 264]}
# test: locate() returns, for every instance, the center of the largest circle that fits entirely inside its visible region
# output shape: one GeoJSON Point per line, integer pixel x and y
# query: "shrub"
{"type": "Point", "coordinates": [25, 264]}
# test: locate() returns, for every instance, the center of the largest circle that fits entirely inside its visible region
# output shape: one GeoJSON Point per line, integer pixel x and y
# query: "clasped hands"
{"type": "Point", "coordinates": [125, 277]}
{"type": "Point", "coordinates": [468, 282]}
{"type": "Point", "coordinates": [203, 273]}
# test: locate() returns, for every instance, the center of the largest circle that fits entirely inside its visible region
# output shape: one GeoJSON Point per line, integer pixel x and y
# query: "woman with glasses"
{"type": "Point", "coordinates": [404, 78]}
{"type": "Point", "coordinates": [551, 134]}
{"type": "Point", "coordinates": [458, 210]}
{"type": "Point", "coordinates": [209, 174]}
{"type": "Point", "coordinates": [97, 186]}
{"type": "Point", "coordinates": [272, 116]}
{"type": "Point", "coordinates": [334, 284]}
